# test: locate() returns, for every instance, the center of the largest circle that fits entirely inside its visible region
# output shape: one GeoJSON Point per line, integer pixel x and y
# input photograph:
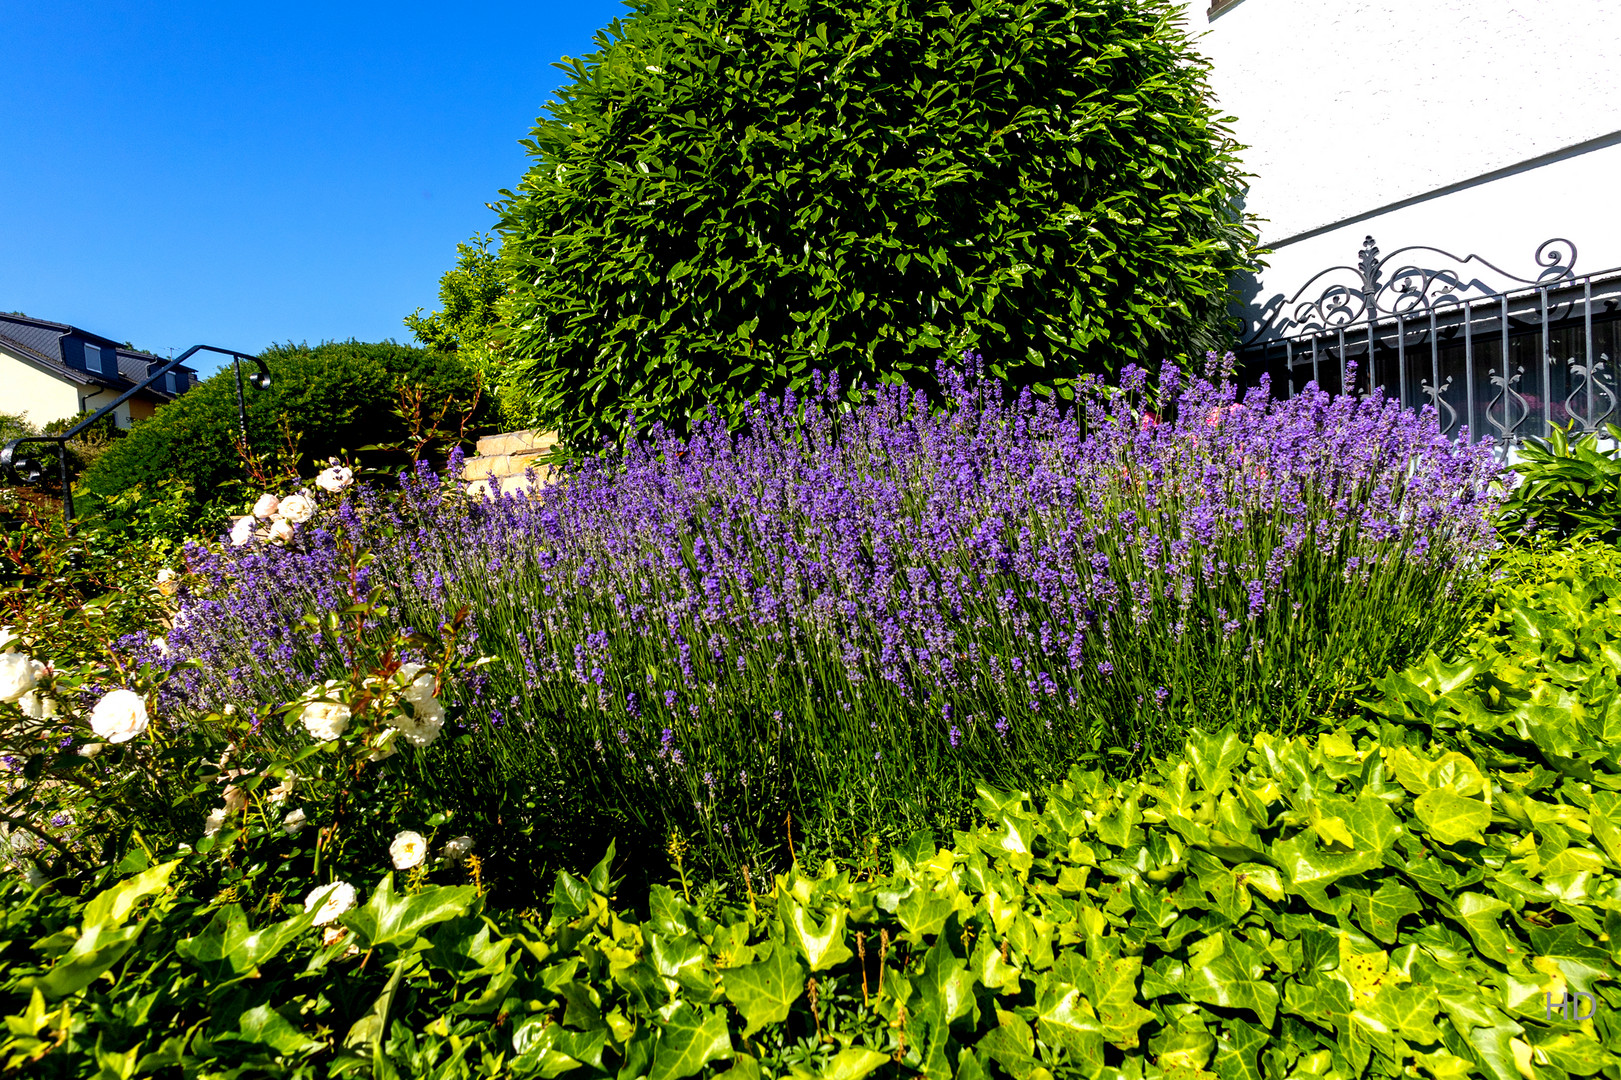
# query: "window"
{"type": "Point", "coordinates": [100, 360]}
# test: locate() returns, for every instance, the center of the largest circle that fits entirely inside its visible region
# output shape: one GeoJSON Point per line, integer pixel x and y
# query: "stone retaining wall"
{"type": "Point", "coordinates": [502, 460]}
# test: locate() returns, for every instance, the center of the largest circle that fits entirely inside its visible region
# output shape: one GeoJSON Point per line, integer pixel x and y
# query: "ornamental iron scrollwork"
{"type": "Point", "coordinates": [1437, 396]}
{"type": "Point", "coordinates": [1505, 392]}
{"type": "Point", "coordinates": [1592, 380]}
{"type": "Point", "coordinates": [1385, 288]}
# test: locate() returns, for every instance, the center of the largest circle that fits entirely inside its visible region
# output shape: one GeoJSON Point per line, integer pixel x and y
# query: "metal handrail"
{"type": "Point", "coordinates": [27, 469]}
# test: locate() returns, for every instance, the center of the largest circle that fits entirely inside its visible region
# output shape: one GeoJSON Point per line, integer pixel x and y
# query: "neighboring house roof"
{"type": "Point", "coordinates": [17, 347]}
{"type": "Point", "coordinates": [39, 341]}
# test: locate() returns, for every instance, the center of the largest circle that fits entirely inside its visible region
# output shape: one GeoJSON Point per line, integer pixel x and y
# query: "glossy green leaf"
{"type": "Point", "coordinates": [764, 992]}
{"type": "Point", "coordinates": [688, 1041]}
{"type": "Point", "coordinates": [390, 919]}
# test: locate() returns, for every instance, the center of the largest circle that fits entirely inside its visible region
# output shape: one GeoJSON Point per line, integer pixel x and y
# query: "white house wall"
{"type": "Point", "coordinates": [37, 396]}
{"type": "Point", "coordinates": [1478, 126]}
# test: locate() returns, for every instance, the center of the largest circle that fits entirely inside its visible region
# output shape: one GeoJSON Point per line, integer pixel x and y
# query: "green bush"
{"type": "Point", "coordinates": [334, 397]}
{"type": "Point", "coordinates": [88, 446]}
{"type": "Point", "coordinates": [1568, 490]}
{"type": "Point", "coordinates": [728, 195]}
{"type": "Point", "coordinates": [84, 590]}
{"type": "Point", "coordinates": [15, 426]}
{"type": "Point", "coordinates": [467, 321]}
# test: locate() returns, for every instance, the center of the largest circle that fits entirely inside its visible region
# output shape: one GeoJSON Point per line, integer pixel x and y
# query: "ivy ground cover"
{"type": "Point", "coordinates": [1414, 894]}
{"type": "Point", "coordinates": [827, 629]}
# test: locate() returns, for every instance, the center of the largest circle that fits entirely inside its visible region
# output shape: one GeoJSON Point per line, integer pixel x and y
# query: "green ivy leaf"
{"type": "Point", "coordinates": [764, 992]}
{"type": "Point", "coordinates": [1382, 910]}
{"type": "Point", "coordinates": [1450, 818]}
{"type": "Point", "coordinates": [390, 919]}
{"type": "Point", "coordinates": [262, 1024]}
{"type": "Point", "coordinates": [1213, 758]}
{"type": "Point", "coordinates": [688, 1041]}
{"type": "Point", "coordinates": [110, 907]}
{"type": "Point", "coordinates": [229, 949]}
{"type": "Point", "coordinates": [852, 1064]}
{"type": "Point", "coordinates": [822, 944]}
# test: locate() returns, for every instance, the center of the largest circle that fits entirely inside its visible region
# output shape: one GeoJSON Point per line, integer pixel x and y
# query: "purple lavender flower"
{"type": "Point", "coordinates": [857, 568]}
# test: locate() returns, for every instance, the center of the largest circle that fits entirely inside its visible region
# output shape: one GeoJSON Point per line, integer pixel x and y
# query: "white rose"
{"type": "Point", "coordinates": [383, 747]}
{"type": "Point", "coordinates": [325, 720]}
{"type": "Point", "coordinates": [458, 848]}
{"type": "Point", "coordinates": [280, 792]}
{"type": "Point", "coordinates": [17, 675]}
{"type": "Point", "coordinates": [334, 479]}
{"type": "Point", "coordinates": [8, 638]}
{"type": "Point", "coordinates": [294, 821]}
{"type": "Point", "coordinates": [119, 716]}
{"type": "Point", "coordinates": [214, 821]}
{"type": "Point", "coordinates": [90, 749]}
{"type": "Point", "coordinates": [297, 508]}
{"type": "Point", "coordinates": [235, 799]}
{"type": "Point", "coordinates": [35, 877]}
{"type": "Point", "coordinates": [420, 683]}
{"type": "Point", "coordinates": [408, 850]}
{"type": "Point", "coordinates": [162, 645]}
{"type": "Point", "coordinates": [36, 706]}
{"type": "Point", "coordinates": [330, 901]}
{"type": "Point", "coordinates": [423, 728]}
{"type": "Point", "coordinates": [242, 531]}
{"type": "Point", "coordinates": [168, 583]}
{"type": "Point", "coordinates": [281, 532]}
{"type": "Point", "coordinates": [266, 506]}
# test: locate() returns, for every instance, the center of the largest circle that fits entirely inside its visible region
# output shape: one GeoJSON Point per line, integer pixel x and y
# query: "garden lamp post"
{"type": "Point", "coordinates": [30, 470]}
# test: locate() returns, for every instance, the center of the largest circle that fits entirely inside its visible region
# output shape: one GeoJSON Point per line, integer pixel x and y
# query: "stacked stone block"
{"type": "Point", "coordinates": [503, 459]}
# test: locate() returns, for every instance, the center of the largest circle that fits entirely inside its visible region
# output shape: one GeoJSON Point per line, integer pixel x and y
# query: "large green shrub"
{"type": "Point", "coordinates": [728, 195]}
{"type": "Point", "coordinates": [15, 426]}
{"type": "Point", "coordinates": [337, 396]}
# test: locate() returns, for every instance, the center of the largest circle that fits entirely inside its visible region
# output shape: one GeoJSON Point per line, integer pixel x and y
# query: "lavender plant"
{"type": "Point", "coordinates": [829, 626]}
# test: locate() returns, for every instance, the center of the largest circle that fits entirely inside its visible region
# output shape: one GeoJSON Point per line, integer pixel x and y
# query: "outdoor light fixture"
{"type": "Point", "coordinates": [30, 470]}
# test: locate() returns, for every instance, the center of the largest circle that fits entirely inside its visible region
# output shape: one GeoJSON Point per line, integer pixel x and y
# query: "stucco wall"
{"type": "Point", "coordinates": [100, 398]}
{"type": "Point", "coordinates": [39, 397]}
{"type": "Point", "coordinates": [1497, 123]}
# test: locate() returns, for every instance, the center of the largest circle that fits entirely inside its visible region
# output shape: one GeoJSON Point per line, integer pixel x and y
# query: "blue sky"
{"type": "Point", "coordinates": [242, 174]}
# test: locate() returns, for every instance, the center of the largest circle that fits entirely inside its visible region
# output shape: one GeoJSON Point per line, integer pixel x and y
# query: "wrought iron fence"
{"type": "Point", "coordinates": [1507, 360]}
